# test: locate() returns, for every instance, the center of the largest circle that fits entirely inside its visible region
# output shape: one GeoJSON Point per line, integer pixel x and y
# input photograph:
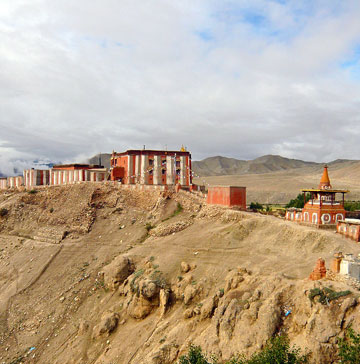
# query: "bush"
{"type": "Point", "coordinates": [298, 202]}
{"type": "Point", "coordinates": [32, 192]}
{"type": "Point", "coordinates": [256, 206]}
{"type": "Point", "coordinates": [4, 211]}
{"type": "Point", "coordinates": [276, 351]}
{"type": "Point", "coordinates": [349, 347]}
{"type": "Point", "coordinates": [148, 226]}
{"type": "Point", "coordinates": [326, 295]}
{"type": "Point", "coordinates": [179, 209]}
{"type": "Point", "coordinates": [352, 205]}
{"type": "Point", "coordinates": [196, 356]}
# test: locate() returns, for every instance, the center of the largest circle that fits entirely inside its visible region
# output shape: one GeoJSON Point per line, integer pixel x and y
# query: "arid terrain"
{"type": "Point", "coordinates": [281, 186]}
{"type": "Point", "coordinates": [271, 179]}
{"type": "Point", "coordinates": [101, 274]}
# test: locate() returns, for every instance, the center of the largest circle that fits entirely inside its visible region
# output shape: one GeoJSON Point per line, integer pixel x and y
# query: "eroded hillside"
{"type": "Point", "coordinates": [97, 274]}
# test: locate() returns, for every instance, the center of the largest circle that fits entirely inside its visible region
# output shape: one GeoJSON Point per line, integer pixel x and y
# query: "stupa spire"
{"type": "Point", "coordinates": [325, 180]}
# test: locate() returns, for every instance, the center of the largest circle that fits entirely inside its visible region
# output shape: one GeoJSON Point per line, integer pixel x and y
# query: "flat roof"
{"type": "Point", "coordinates": [152, 151]}
{"type": "Point", "coordinates": [324, 191]}
{"type": "Point", "coordinates": [77, 165]}
{"type": "Point", "coordinates": [352, 221]}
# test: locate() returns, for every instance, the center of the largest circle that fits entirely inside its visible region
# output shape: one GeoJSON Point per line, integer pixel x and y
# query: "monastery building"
{"type": "Point", "coordinates": [152, 167]}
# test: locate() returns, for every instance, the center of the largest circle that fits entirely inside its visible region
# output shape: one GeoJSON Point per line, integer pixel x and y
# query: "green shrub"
{"type": "Point", "coordinates": [326, 294]}
{"type": "Point", "coordinates": [298, 202]}
{"type": "Point", "coordinates": [196, 356]}
{"type": "Point", "coordinates": [352, 205]}
{"type": "Point", "coordinates": [32, 192]}
{"type": "Point", "coordinates": [4, 211]}
{"type": "Point", "coordinates": [179, 209]}
{"type": "Point", "coordinates": [276, 351]}
{"type": "Point", "coordinates": [349, 347]}
{"type": "Point", "coordinates": [256, 206]}
{"type": "Point", "coordinates": [148, 226]}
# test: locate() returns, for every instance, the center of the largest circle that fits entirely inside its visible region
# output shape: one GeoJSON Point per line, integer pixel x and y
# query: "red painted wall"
{"type": "Point", "coordinates": [227, 196]}
{"type": "Point", "coordinates": [117, 173]}
{"type": "Point", "coordinates": [332, 210]}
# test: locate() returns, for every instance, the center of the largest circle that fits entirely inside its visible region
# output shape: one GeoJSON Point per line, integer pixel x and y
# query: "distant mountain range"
{"type": "Point", "coordinates": [222, 166]}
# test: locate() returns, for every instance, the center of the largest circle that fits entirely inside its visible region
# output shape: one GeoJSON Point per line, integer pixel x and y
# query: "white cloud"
{"type": "Point", "coordinates": [242, 79]}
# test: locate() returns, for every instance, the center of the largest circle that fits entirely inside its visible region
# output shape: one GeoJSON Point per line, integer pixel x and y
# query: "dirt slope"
{"type": "Point", "coordinates": [95, 274]}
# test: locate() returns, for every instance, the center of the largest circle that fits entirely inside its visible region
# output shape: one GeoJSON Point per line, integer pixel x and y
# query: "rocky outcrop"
{"type": "Point", "coordinates": [108, 323]}
{"type": "Point", "coordinates": [145, 290]}
{"type": "Point", "coordinates": [117, 271]}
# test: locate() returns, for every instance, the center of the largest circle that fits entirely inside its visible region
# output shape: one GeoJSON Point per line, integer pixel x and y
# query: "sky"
{"type": "Point", "coordinates": [237, 78]}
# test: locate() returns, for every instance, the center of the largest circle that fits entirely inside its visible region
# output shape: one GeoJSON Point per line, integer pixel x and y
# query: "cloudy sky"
{"type": "Point", "coordinates": [239, 78]}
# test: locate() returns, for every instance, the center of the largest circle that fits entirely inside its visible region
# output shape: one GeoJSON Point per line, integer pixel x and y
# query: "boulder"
{"type": "Point", "coordinates": [107, 325]}
{"type": "Point", "coordinates": [139, 307]}
{"type": "Point", "coordinates": [117, 271]}
{"type": "Point", "coordinates": [149, 288]}
{"type": "Point", "coordinates": [185, 267]}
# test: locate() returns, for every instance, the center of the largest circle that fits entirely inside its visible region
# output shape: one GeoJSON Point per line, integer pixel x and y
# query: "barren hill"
{"type": "Point", "coordinates": [99, 274]}
{"type": "Point", "coordinates": [282, 185]}
{"type": "Point", "coordinates": [220, 166]}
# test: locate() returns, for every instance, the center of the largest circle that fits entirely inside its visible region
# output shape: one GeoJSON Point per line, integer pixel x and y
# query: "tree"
{"type": "Point", "coordinates": [256, 206]}
{"type": "Point", "coordinates": [352, 205]}
{"type": "Point", "coordinates": [349, 347]}
{"type": "Point", "coordinates": [298, 202]}
{"type": "Point", "coordinates": [196, 356]}
{"type": "Point", "coordinates": [276, 351]}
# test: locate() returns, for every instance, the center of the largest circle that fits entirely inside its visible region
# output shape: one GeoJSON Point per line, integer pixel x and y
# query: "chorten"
{"type": "Point", "coordinates": [322, 208]}
{"type": "Point", "coordinates": [325, 180]}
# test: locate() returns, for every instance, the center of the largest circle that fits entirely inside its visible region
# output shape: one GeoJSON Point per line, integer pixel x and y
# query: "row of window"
{"type": "Point", "coordinates": [163, 172]}
{"type": "Point", "coordinates": [116, 162]}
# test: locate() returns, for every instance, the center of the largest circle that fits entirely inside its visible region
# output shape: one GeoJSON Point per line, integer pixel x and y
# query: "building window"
{"type": "Point", "coordinates": [150, 172]}
{"type": "Point", "coordinates": [163, 172]}
{"type": "Point", "coordinates": [314, 218]}
{"type": "Point", "coordinates": [177, 163]}
{"type": "Point", "coordinates": [163, 162]}
{"type": "Point", "coordinates": [178, 172]}
{"type": "Point", "coordinates": [306, 216]}
{"type": "Point", "coordinates": [151, 162]}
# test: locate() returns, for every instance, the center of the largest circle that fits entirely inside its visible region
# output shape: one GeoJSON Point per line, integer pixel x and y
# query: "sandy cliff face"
{"type": "Point", "coordinates": [95, 274]}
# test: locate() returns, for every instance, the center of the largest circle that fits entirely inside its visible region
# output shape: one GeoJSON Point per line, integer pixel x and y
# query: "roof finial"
{"type": "Point", "coordinates": [325, 180]}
